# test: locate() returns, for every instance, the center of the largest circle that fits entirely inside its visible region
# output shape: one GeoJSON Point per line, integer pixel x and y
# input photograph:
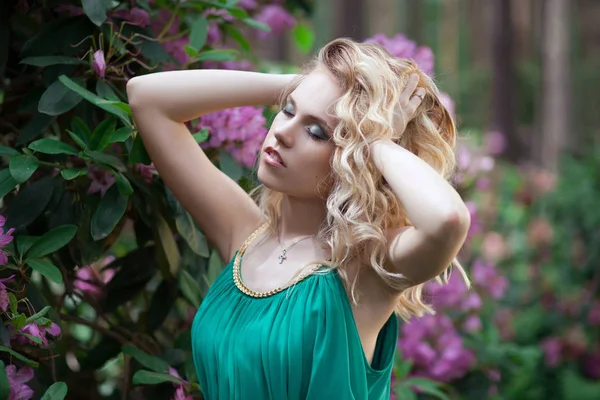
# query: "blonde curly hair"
{"type": "Point", "coordinates": [361, 206]}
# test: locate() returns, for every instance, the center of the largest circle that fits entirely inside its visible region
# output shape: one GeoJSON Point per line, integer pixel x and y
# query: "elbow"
{"type": "Point", "coordinates": [454, 223]}
{"type": "Point", "coordinates": [133, 92]}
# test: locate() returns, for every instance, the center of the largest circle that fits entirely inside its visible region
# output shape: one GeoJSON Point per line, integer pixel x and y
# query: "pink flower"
{"type": "Point", "coordinates": [180, 391]}
{"type": "Point", "coordinates": [4, 299]}
{"type": "Point", "coordinates": [102, 180]}
{"type": "Point", "coordinates": [39, 331]}
{"type": "Point", "coordinates": [485, 276]}
{"type": "Point", "coordinates": [447, 296]}
{"type": "Point", "coordinates": [447, 102]}
{"type": "Point", "coordinates": [593, 317]}
{"type": "Point", "coordinates": [552, 348]}
{"type": "Point", "coordinates": [240, 131]}
{"type": "Point", "coordinates": [401, 47]}
{"type": "Point", "coordinates": [472, 324]}
{"type": "Point", "coordinates": [137, 16]}
{"type": "Point", "coordinates": [494, 142]}
{"type": "Point", "coordinates": [494, 248]}
{"type": "Point", "coordinates": [275, 17]}
{"type": "Point", "coordinates": [90, 279]}
{"type": "Point", "coordinates": [99, 64]}
{"type": "Point", "coordinates": [17, 380]}
{"type": "Point", "coordinates": [146, 171]}
{"type": "Point", "coordinates": [435, 348]}
{"type": "Point", "coordinates": [5, 239]}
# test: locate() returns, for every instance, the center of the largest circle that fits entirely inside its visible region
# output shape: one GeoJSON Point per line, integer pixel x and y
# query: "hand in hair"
{"type": "Point", "coordinates": [410, 100]}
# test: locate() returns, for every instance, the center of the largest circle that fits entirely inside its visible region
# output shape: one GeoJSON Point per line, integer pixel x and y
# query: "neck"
{"type": "Point", "coordinates": [300, 217]}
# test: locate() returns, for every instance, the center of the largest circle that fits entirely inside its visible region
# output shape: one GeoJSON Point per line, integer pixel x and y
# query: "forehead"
{"type": "Point", "coordinates": [316, 92]}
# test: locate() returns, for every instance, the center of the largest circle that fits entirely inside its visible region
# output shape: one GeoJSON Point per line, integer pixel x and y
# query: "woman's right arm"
{"type": "Point", "coordinates": [161, 103]}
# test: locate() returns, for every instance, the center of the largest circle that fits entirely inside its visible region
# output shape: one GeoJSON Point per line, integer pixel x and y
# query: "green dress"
{"type": "Point", "coordinates": [300, 343]}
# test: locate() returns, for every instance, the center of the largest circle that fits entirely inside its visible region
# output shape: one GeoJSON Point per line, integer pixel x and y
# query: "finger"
{"type": "Point", "coordinates": [415, 101]}
{"type": "Point", "coordinates": [409, 90]}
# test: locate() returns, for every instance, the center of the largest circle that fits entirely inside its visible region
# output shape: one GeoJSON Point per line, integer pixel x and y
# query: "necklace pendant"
{"type": "Point", "coordinates": [282, 257]}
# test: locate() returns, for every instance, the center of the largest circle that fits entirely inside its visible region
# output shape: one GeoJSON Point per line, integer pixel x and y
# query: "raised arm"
{"type": "Point", "coordinates": [161, 103]}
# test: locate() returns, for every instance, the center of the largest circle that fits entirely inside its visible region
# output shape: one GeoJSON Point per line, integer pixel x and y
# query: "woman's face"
{"type": "Point", "coordinates": [296, 154]}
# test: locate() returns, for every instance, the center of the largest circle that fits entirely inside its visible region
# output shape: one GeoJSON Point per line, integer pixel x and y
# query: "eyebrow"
{"type": "Point", "coordinates": [328, 128]}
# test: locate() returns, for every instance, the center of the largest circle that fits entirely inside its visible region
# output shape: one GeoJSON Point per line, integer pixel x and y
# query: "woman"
{"type": "Point", "coordinates": [354, 214]}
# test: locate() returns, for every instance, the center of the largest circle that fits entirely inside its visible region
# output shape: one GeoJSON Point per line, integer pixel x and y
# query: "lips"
{"type": "Point", "coordinates": [274, 155]}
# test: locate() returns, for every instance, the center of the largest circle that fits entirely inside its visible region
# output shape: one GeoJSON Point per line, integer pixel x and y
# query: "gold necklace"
{"type": "Point", "coordinates": [237, 276]}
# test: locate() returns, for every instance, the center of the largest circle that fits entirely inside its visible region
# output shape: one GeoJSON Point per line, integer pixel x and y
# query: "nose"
{"type": "Point", "coordinates": [284, 132]}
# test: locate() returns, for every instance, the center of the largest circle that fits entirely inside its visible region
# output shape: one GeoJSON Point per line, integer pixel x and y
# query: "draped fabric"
{"type": "Point", "coordinates": [301, 343]}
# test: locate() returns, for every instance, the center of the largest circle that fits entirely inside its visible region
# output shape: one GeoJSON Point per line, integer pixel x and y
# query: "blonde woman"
{"type": "Point", "coordinates": [353, 215]}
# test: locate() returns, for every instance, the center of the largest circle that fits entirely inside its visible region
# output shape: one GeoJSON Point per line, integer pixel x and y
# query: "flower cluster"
{"type": "Point", "coordinates": [17, 380]}
{"type": "Point", "coordinates": [90, 279]}
{"type": "Point", "coordinates": [435, 348]}
{"type": "Point", "coordinates": [181, 388]}
{"type": "Point", "coordinates": [239, 130]}
{"type": "Point", "coordinates": [400, 46]}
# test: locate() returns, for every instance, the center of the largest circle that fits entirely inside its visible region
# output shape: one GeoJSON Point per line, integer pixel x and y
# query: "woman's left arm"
{"type": "Point", "coordinates": [440, 219]}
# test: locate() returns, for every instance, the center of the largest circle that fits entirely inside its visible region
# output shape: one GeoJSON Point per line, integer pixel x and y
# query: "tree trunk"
{"type": "Point", "coordinates": [350, 20]}
{"type": "Point", "coordinates": [503, 86]}
{"type": "Point", "coordinates": [555, 113]}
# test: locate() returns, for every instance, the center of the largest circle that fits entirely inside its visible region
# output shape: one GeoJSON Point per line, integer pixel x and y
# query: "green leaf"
{"type": "Point", "coordinates": [77, 140]}
{"type": "Point", "coordinates": [58, 99]}
{"type": "Point", "coordinates": [24, 243]}
{"type": "Point", "coordinates": [404, 393]}
{"type": "Point", "coordinates": [7, 151]}
{"type": "Point", "coordinates": [20, 357]}
{"type": "Point", "coordinates": [190, 289]}
{"type": "Point", "coordinates": [101, 135]}
{"type": "Point", "coordinates": [167, 244]}
{"type": "Point", "coordinates": [58, 391]}
{"type": "Point", "coordinates": [45, 61]}
{"type": "Point", "coordinates": [190, 51]}
{"type": "Point", "coordinates": [255, 24]}
{"type": "Point", "coordinates": [199, 33]}
{"type": "Point", "coordinates": [29, 203]}
{"type": "Point", "coordinates": [72, 173]}
{"type": "Point", "coordinates": [81, 130]}
{"type": "Point", "coordinates": [216, 55]}
{"type": "Point", "coordinates": [108, 214]}
{"type": "Point", "coordinates": [40, 314]}
{"type": "Point", "coordinates": [229, 166]}
{"type": "Point", "coordinates": [215, 265]}
{"type": "Point", "coordinates": [104, 90]}
{"type": "Point", "coordinates": [120, 135]}
{"type": "Point", "coordinates": [201, 136]}
{"type": "Point", "coordinates": [123, 184]}
{"type": "Point", "coordinates": [106, 105]}
{"type": "Point", "coordinates": [238, 36]}
{"type": "Point", "coordinates": [52, 146]}
{"type": "Point", "coordinates": [22, 167]}
{"type": "Point", "coordinates": [34, 339]}
{"type": "Point", "coordinates": [45, 268]}
{"type": "Point", "coordinates": [304, 37]}
{"type": "Point", "coordinates": [96, 10]}
{"type": "Point", "coordinates": [107, 159]}
{"type": "Point", "coordinates": [14, 303]}
{"type": "Point", "coordinates": [152, 362]}
{"type": "Point", "coordinates": [4, 383]}
{"type": "Point", "coordinates": [7, 182]}
{"type": "Point", "coordinates": [143, 377]}
{"type": "Point", "coordinates": [52, 240]}
{"type": "Point", "coordinates": [19, 321]}
{"type": "Point", "coordinates": [138, 154]}
{"type": "Point", "coordinates": [426, 386]}
{"type": "Point", "coordinates": [34, 128]}
{"type": "Point", "coordinates": [191, 234]}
